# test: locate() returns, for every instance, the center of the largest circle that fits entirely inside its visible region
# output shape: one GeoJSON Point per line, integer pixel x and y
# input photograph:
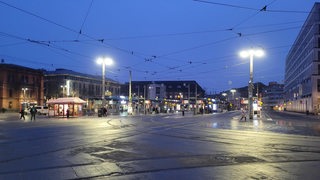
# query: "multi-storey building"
{"type": "Point", "coordinates": [159, 90]}
{"type": "Point", "coordinates": [165, 94]}
{"type": "Point", "coordinates": [68, 83]}
{"type": "Point", "coordinates": [302, 68]}
{"type": "Point", "coordinates": [272, 95]}
{"type": "Point", "coordinates": [20, 87]}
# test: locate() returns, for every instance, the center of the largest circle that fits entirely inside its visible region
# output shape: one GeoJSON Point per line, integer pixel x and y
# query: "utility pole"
{"type": "Point", "coordinates": [189, 96]}
{"type": "Point", "coordinates": [144, 99]}
{"type": "Point", "coordinates": [139, 99]}
{"type": "Point", "coordinates": [196, 98]}
{"type": "Point", "coordinates": [130, 94]}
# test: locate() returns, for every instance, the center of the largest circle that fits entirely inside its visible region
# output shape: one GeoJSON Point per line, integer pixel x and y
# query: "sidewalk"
{"type": "Point", "coordinates": [302, 116]}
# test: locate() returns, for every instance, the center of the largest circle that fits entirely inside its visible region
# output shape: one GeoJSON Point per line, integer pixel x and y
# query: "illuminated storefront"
{"type": "Point", "coordinates": [59, 107]}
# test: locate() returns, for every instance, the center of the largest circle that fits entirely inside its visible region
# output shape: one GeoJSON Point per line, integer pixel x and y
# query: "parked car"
{"type": "Point", "coordinates": [42, 110]}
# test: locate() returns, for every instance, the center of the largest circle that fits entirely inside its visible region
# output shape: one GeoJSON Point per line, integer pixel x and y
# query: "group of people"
{"type": "Point", "coordinates": [33, 112]}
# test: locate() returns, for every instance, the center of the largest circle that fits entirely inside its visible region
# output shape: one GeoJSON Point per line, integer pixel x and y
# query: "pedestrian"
{"type": "Point", "coordinates": [182, 110]}
{"type": "Point", "coordinates": [33, 112]}
{"type": "Point", "coordinates": [243, 115]}
{"type": "Point", "coordinates": [22, 114]}
{"type": "Point", "coordinates": [105, 111]}
{"type": "Point", "coordinates": [68, 113]}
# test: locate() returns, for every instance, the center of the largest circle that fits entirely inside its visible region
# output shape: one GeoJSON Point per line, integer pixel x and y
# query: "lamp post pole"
{"type": "Point", "coordinates": [130, 109]}
{"type": "Point", "coordinates": [103, 83]}
{"type": "Point", "coordinates": [250, 53]}
{"type": "Point", "coordinates": [63, 86]}
{"type": "Point", "coordinates": [24, 94]}
{"type": "Point", "coordinates": [24, 98]}
{"type": "Point", "coordinates": [196, 98]}
{"type": "Point", "coordinates": [250, 86]}
{"type": "Point", "coordinates": [144, 99]}
{"type": "Point", "coordinates": [104, 61]}
{"type": "Point", "coordinates": [189, 96]}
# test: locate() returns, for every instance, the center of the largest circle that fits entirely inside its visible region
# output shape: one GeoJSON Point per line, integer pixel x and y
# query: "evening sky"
{"type": "Point", "coordinates": [154, 39]}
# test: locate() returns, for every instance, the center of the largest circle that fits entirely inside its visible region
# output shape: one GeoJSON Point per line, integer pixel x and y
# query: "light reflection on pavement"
{"type": "Point", "coordinates": [299, 125]}
{"type": "Point", "coordinates": [165, 146]}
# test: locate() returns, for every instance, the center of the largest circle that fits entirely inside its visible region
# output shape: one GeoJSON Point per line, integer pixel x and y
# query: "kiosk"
{"type": "Point", "coordinates": [58, 107]}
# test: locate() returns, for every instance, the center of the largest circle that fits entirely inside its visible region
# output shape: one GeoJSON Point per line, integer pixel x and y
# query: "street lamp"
{"type": "Point", "coordinates": [233, 101]}
{"type": "Point", "coordinates": [250, 53]}
{"type": "Point", "coordinates": [24, 93]}
{"type": "Point", "coordinates": [188, 85]}
{"type": "Point", "coordinates": [233, 91]}
{"type": "Point", "coordinates": [63, 87]}
{"type": "Point", "coordinates": [24, 97]}
{"type": "Point", "coordinates": [104, 61]}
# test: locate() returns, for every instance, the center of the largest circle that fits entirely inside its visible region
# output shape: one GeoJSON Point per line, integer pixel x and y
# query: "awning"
{"type": "Point", "coordinates": [66, 100]}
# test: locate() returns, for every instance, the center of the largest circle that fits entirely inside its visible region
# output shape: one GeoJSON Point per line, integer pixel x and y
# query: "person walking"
{"type": "Point", "coordinates": [22, 114]}
{"type": "Point", "coordinates": [182, 110]}
{"type": "Point", "coordinates": [104, 112]}
{"type": "Point", "coordinates": [68, 113]}
{"type": "Point", "coordinates": [243, 115]}
{"type": "Point", "coordinates": [33, 112]}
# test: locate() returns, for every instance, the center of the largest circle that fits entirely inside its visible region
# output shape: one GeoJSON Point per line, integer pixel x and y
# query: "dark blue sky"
{"type": "Point", "coordinates": [155, 39]}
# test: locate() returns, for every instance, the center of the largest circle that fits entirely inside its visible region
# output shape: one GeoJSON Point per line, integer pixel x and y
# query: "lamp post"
{"type": "Point", "coordinates": [251, 53]}
{"type": "Point", "coordinates": [24, 94]}
{"type": "Point", "coordinates": [188, 86]}
{"type": "Point", "coordinates": [63, 87]}
{"type": "Point", "coordinates": [104, 61]}
{"type": "Point", "coordinates": [233, 101]}
{"type": "Point", "coordinates": [233, 91]}
{"type": "Point", "coordinates": [24, 98]}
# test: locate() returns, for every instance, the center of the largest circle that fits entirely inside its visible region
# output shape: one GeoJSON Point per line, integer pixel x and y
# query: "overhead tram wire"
{"type": "Point", "coordinates": [245, 36]}
{"type": "Point", "coordinates": [224, 4]}
{"type": "Point", "coordinates": [85, 18]}
{"type": "Point", "coordinates": [67, 28]}
{"type": "Point", "coordinates": [76, 32]}
{"type": "Point", "coordinates": [42, 42]}
{"type": "Point", "coordinates": [250, 8]}
{"type": "Point", "coordinates": [13, 44]}
{"type": "Point", "coordinates": [101, 40]}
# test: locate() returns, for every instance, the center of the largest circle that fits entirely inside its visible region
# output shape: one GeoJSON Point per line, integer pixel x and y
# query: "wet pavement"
{"type": "Point", "coordinates": [164, 146]}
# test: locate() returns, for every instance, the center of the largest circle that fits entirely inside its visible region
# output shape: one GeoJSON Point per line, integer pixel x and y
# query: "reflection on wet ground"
{"type": "Point", "coordinates": [300, 127]}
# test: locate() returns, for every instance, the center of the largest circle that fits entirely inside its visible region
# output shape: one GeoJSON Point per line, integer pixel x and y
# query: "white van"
{"type": "Point", "coordinates": [42, 110]}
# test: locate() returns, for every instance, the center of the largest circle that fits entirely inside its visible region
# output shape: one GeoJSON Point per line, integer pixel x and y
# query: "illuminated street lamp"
{"type": "Point", "coordinates": [24, 94]}
{"type": "Point", "coordinates": [24, 104]}
{"type": "Point", "coordinates": [104, 61]}
{"type": "Point", "coordinates": [63, 87]}
{"type": "Point", "coordinates": [245, 54]}
{"type": "Point", "coordinates": [233, 91]}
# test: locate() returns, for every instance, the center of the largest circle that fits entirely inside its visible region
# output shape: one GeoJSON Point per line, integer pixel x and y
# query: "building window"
{"type": "Point", "coordinates": [318, 85]}
{"type": "Point", "coordinates": [10, 104]}
{"type": "Point", "coordinates": [10, 93]}
{"type": "Point", "coordinates": [157, 90]}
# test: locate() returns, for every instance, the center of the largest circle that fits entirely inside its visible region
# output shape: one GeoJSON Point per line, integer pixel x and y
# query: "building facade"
{"type": "Point", "coordinates": [68, 83]}
{"type": "Point", "coordinates": [272, 96]}
{"type": "Point", "coordinates": [164, 95]}
{"type": "Point", "coordinates": [20, 87]}
{"type": "Point", "coordinates": [302, 67]}
{"type": "Point", "coordinates": [159, 90]}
